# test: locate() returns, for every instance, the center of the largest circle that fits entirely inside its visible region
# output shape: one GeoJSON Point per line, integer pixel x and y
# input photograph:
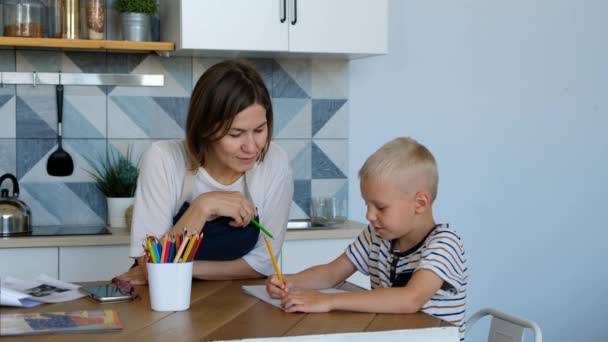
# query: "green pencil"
{"type": "Point", "coordinates": [255, 223]}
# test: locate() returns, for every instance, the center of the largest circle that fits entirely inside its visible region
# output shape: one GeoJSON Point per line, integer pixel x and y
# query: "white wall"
{"type": "Point", "coordinates": [512, 98]}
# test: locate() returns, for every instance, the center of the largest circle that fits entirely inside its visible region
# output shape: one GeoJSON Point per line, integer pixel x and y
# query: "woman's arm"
{"type": "Point", "coordinates": [224, 270]}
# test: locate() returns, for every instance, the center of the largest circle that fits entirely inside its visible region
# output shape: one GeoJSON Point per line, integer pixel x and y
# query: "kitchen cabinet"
{"type": "Point", "coordinates": [71, 264]}
{"type": "Point", "coordinates": [93, 263]}
{"type": "Point", "coordinates": [28, 263]}
{"type": "Point", "coordinates": [301, 254]}
{"type": "Point", "coordinates": [346, 27]}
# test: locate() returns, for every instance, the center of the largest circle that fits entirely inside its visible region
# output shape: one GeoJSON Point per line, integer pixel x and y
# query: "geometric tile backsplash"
{"type": "Point", "coordinates": [310, 99]}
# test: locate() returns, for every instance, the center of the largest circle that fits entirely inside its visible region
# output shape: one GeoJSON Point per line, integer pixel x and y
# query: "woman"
{"type": "Point", "coordinates": [225, 173]}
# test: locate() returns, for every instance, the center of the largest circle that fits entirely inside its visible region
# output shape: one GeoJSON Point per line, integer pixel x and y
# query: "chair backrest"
{"type": "Point", "coordinates": [505, 327]}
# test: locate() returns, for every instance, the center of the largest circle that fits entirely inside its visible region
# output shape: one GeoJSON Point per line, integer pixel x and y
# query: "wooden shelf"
{"type": "Point", "coordinates": [122, 45]}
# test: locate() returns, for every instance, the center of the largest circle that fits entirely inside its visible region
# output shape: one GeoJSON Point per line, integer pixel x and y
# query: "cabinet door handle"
{"type": "Point", "coordinates": [282, 10]}
{"type": "Point", "coordinates": [295, 12]}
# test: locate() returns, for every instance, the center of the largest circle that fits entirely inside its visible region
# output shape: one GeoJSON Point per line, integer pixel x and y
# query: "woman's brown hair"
{"type": "Point", "coordinates": [223, 91]}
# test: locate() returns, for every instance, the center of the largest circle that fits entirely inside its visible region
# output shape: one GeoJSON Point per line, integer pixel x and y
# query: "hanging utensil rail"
{"type": "Point", "coordinates": [82, 79]}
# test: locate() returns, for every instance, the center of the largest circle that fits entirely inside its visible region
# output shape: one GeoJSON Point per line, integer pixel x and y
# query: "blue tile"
{"type": "Point", "coordinates": [29, 124]}
{"type": "Point", "coordinates": [91, 150]}
{"type": "Point", "coordinates": [7, 60]}
{"type": "Point", "coordinates": [148, 116]}
{"type": "Point", "coordinates": [180, 68]}
{"type": "Point", "coordinates": [7, 63]}
{"type": "Point", "coordinates": [90, 196]}
{"type": "Point", "coordinates": [285, 110]}
{"type": "Point", "coordinates": [30, 152]}
{"type": "Point", "coordinates": [70, 210]}
{"type": "Point", "coordinates": [76, 125]}
{"type": "Point", "coordinates": [8, 156]}
{"type": "Point", "coordinates": [323, 111]}
{"type": "Point", "coordinates": [301, 163]}
{"type": "Point", "coordinates": [264, 66]}
{"type": "Point", "coordinates": [175, 107]}
{"type": "Point", "coordinates": [40, 60]}
{"type": "Point", "coordinates": [284, 86]}
{"type": "Point", "coordinates": [4, 99]}
{"type": "Point", "coordinates": [88, 62]}
{"type": "Point", "coordinates": [301, 194]}
{"type": "Point", "coordinates": [122, 63]}
{"type": "Point", "coordinates": [323, 167]}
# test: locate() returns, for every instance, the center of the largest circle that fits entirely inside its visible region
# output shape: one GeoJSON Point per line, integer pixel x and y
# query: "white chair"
{"type": "Point", "coordinates": [505, 327]}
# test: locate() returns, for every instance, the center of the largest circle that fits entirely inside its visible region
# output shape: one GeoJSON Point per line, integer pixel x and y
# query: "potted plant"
{"type": "Point", "coordinates": [135, 18]}
{"type": "Point", "coordinates": [116, 178]}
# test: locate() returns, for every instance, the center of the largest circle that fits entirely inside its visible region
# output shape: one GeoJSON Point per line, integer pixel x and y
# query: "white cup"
{"type": "Point", "coordinates": [170, 285]}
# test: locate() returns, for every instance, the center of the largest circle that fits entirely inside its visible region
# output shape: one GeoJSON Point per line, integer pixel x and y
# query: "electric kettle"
{"type": "Point", "coordinates": [15, 216]}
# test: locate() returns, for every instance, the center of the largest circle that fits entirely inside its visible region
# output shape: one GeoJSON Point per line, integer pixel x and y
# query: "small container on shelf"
{"type": "Point", "coordinates": [70, 19]}
{"type": "Point", "coordinates": [23, 18]}
{"type": "Point", "coordinates": [96, 16]}
{"type": "Point", "coordinates": [52, 18]}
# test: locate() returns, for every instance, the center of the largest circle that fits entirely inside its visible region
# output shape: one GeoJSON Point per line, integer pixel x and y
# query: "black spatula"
{"type": "Point", "coordinates": [60, 162]}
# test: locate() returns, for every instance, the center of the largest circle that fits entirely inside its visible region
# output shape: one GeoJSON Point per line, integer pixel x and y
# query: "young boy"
{"type": "Point", "coordinates": [414, 264]}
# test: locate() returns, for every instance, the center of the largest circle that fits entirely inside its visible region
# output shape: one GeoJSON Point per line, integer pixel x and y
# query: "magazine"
{"type": "Point", "coordinates": [34, 323]}
{"type": "Point", "coordinates": [44, 289]}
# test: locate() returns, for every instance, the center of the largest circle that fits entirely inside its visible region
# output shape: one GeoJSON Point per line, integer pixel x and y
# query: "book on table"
{"type": "Point", "coordinates": [78, 321]}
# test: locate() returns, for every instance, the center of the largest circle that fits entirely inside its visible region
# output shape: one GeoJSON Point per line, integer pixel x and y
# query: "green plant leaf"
{"type": "Point", "coordinates": [149, 7]}
{"type": "Point", "coordinates": [116, 175]}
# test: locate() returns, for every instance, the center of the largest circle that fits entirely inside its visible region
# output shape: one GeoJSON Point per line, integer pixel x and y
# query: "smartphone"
{"type": "Point", "coordinates": [106, 293]}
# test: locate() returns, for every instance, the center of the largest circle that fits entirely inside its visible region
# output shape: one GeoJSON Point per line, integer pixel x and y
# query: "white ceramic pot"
{"type": "Point", "coordinates": [116, 211]}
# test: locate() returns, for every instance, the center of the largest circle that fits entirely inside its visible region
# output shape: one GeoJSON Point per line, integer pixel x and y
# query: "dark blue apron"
{"type": "Point", "coordinates": [222, 241]}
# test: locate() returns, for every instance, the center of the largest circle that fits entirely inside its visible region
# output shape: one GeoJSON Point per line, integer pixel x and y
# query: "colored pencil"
{"type": "Point", "coordinates": [182, 246]}
{"type": "Point", "coordinates": [274, 261]}
{"type": "Point", "coordinates": [198, 244]}
{"type": "Point", "coordinates": [189, 248]}
{"type": "Point", "coordinates": [257, 224]}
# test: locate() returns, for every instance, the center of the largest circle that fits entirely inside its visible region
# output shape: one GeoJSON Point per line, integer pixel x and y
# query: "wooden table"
{"type": "Point", "coordinates": [220, 310]}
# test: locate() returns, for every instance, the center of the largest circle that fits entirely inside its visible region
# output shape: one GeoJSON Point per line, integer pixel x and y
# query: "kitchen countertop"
{"type": "Point", "coordinates": [121, 236]}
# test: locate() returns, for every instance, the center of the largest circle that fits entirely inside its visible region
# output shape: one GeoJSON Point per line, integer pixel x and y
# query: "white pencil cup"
{"type": "Point", "coordinates": [170, 285]}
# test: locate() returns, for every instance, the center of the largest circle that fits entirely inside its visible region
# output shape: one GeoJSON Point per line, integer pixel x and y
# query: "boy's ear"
{"type": "Point", "coordinates": [422, 201]}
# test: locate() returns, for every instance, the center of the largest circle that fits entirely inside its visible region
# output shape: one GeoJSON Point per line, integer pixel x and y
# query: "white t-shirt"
{"type": "Point", "coordinates": [159, 188]}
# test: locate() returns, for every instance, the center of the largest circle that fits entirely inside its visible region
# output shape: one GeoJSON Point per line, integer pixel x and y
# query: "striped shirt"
{"type": "Point", "coordinates": [441, 252]}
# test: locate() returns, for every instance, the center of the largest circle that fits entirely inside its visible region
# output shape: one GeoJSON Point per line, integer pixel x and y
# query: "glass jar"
{"type": "Point", "coordinates": [96, 17]}
{"type": "Point", "coordinates": [23, 18]}
{"type": "Point", "coordinates": [52, 18]}
{"type": "Point", "coordinates": [70, 19]}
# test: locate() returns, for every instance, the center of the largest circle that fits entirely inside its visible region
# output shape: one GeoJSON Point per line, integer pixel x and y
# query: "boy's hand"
{"type": "Point", "coordinates": [306, 301]}
{"type": "Point", "coordinates": [275, 288]}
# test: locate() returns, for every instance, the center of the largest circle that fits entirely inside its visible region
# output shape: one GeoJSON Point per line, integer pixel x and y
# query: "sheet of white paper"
{"type": "Point", "coordinates": [444, 334]}
{"type": "Point", "coordinates": [44, 289]}
{"type": "Point", "coordinates": [259, 291]}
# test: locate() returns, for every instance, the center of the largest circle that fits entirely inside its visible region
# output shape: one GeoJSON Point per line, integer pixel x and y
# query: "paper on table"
{"type": "Point", "coordinates": [44, 289]}
{"type": "Point", "coordinates": [259, 291]}
{"type": "Point", "coordinates": [443, 334]}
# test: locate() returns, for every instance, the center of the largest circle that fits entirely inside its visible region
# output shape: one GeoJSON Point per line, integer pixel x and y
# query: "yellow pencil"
{"type": "Point", "coordinates": [274, 260]}
{"type": "Point", "coordinates": [189, 248]}
{"type": "Point", "coordinates": [152, 254]}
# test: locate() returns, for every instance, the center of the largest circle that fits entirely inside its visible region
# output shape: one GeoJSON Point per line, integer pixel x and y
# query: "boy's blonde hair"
{"type": "Point", "coordinates": [407, 162]}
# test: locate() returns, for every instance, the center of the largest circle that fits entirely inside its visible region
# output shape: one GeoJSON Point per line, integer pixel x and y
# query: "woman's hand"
{"type": "Point", "coordinates": [215, 203]}
{"type": "Point", "coordinates": [138, 275]}
{"type": "Point", "coordinates": [275, 288]}
{"type": "Point", "coordinates": [229, 204]}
